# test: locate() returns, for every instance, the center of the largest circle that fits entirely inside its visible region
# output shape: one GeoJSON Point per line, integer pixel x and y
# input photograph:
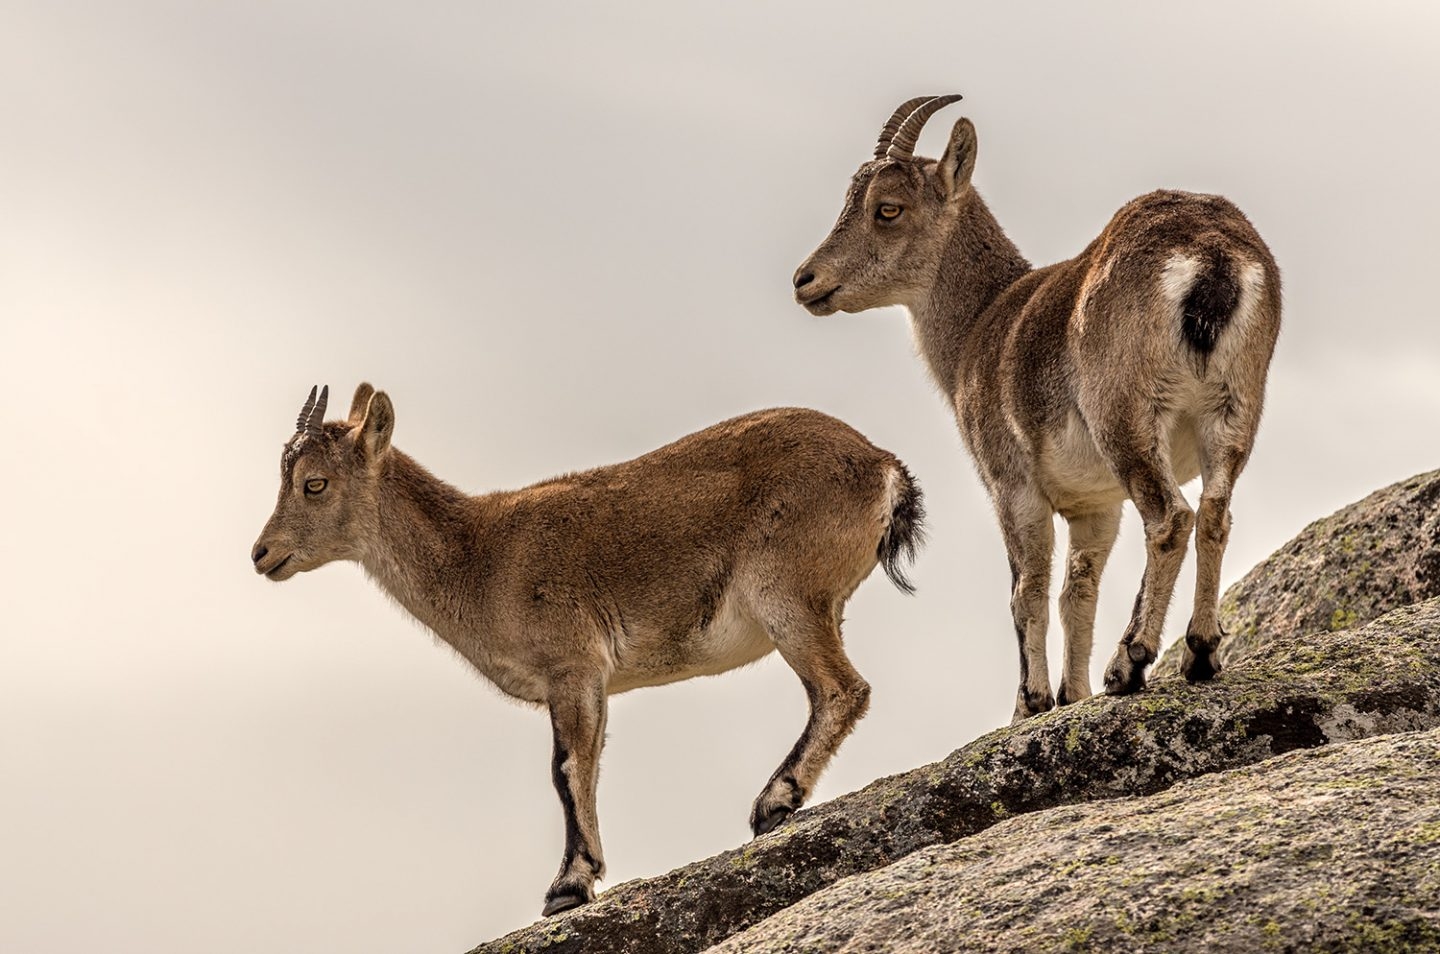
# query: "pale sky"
{"type": "Point", "coordinates": [560, 236]}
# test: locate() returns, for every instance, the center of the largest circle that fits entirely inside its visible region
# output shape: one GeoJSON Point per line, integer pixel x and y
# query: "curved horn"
{"type": "Point", "coordinates": [304, 417]}
{"type": "Point", "coordinates": [906, 136]}
{"type": "Point", "coordinates": [892, 125]}
{"type": "Point", "coordinates": [317, 416]}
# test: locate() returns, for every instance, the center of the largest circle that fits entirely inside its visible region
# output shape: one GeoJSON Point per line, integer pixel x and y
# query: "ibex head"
{"type": "Point", "coordinates": [328, 492]}
{"type": "Point", "coordinates": [898, 214]}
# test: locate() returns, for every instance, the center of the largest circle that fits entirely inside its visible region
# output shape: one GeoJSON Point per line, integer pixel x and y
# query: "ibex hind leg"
{"type": "Point", "coordinates": [1224, 448]}
{"type": "Point", "coordinates": [809, 640]}
{"type": "Point", "coordinates": [1168, 521]}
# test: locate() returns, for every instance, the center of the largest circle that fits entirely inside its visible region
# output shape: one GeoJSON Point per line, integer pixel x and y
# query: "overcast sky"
{"type": "Point", "coordinates": [560, 236]}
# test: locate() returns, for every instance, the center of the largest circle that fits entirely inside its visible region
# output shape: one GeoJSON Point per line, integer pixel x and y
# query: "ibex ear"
{"type": "Point", "coordinates": [378, 426]}
{"type": "Point", "coordinates": [360, 402]}
{"type": "Point", "coordinates": [958, 162]}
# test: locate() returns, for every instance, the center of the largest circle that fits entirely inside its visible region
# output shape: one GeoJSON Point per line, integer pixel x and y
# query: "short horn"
{"type": "Point", "coordinates": [304, 417]}
{"type": "Point", "coordinates": [317, 416]}
{"type": "Point", "coordinates": [892, 125]}
{"type": "Point", "coordinates": [902, 146]}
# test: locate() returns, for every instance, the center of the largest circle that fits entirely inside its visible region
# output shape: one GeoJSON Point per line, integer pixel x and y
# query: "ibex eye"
{"type": "Point", "coordinates": [888, 212]}
{"type": "Point", "coordinates": [315, 485]}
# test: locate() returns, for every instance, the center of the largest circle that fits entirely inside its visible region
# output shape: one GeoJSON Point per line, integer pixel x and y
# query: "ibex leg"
{"type": "Point", "coordinates": [1145, 470]}
{"type": "Point", "coordinates": [577, 715]}
{"type": "Point", "coordinates": [809, 640]}
{"type": "Point", "coordinates": [1092, 536]}
{"type": "Point", "coordinates": [1028, 525]}
{"type": "Point", "coordinates": [1223, 455]}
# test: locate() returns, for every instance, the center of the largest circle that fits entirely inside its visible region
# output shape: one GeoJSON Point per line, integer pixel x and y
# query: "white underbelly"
{"type": "Point", "coordinates": [1184, 451]}
{"type": "Point", "coordinates": [731, 640]}
{"type": "Point", "coordinates": [1073, 473]}
{"type": "Point", "coordinates": [1076, 477]}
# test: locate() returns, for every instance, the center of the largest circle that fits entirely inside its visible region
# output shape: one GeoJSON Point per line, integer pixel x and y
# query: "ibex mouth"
{"type": "Point", "coordinates": [271, 573]}
{"type": "Point", "coordinates": [820, 304]}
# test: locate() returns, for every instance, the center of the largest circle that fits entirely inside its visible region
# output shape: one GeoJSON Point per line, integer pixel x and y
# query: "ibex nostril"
{"type": "Point", "coordinates": [804, 278]}
{"type": "Point", "coordinates": [258, 553]}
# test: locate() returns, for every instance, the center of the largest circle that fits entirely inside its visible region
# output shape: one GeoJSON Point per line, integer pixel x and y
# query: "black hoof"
{"type": "Point", "coordinates": [1070, 696]}
{"type": "Point", "coordinates": [1028, 704]}
{"type": "Point", "coordinates": [1202, 670]}
{"type": "Point", "coordinates": [1199, 663]}
{"type": "Point", "coordinates": [555, 904]}
{"type": "Point", "coordinates": [1126, 673]}
{"type": "Point", "coordinates": [770, 819]}
{"type": "Point", "coordinates": [567, 893]}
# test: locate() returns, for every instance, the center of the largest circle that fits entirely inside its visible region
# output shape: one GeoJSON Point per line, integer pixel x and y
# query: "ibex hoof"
{"type": "Point", "coordinates": [1028, 704]}
{"type": "Point", "coordinates": [566, 895]}
{"type": "Point", "coordinates": [1126, 673]}
{"type": "Point", "coordinates": [779, 800]}
{"type": "Point", "coordinates": [762, 823]}
{"type": "Point", "coordinates": [1198, 661]}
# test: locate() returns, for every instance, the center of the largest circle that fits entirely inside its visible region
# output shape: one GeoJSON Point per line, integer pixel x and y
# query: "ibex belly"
{"type": "Point", "coordinates": [1076, 477]}
{"type": "Point", "coordinates": [728, 641]}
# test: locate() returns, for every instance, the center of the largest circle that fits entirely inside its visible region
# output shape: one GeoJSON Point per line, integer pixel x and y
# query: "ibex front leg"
{"type": "Point", "coordinates": [577, 715]}
{"type": "Point", "coordinates": [1028, 525]}
{"type": "Point", "coordinates": [1092, 536]}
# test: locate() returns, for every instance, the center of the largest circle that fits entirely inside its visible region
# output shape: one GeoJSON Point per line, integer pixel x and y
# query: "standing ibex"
{"type": "Point", "coordinates": [696, 558]}
{"type": "Point", "coordinates": [1120, 373]}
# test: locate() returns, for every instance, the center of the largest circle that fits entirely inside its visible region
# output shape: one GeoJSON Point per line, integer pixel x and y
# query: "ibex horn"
{"type": "Point", "coordinates": [304, 417]}
{"type": "Point", "coordinates": [892, 125]}
{"type": "Point", "coordinates": [317, 416]}
{"type": "Point", "coordinates": [903, 143]}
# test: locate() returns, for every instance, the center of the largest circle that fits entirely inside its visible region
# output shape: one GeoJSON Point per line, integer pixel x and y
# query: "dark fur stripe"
{"type": "Point", "coordinates": [905, 533]}
{"type": "Point", "coordinates": [574, 843]}
{"type": "Point", "coordinates": [1211, 302]}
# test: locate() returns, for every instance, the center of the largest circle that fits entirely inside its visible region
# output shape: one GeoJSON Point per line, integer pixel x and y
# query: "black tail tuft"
{"type": "Point", "coordinates": [905, 533]}
{"type": "Point", "coordinates": [1210, 303]}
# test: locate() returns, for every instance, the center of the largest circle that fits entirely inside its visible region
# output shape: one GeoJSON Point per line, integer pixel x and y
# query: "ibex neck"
{"type": "Point", "coordinates": [978, 263]}
{"type": "Point", "coordinates": [424, 530]}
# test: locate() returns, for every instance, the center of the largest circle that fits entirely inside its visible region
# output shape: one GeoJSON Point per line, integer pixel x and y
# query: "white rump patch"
{"type": "Point", "coordinates": [1177, 277]}
{"type": "Point", "coordinates": [1252, 285]}
{"type": "Point", "coordinates": [1252, 276]}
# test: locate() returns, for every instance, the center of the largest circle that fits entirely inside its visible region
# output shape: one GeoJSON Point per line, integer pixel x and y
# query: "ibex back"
{"type": "Point", "coordinates": [696, 558]}
{"type": "Point", "coordinates": [1121, 373]}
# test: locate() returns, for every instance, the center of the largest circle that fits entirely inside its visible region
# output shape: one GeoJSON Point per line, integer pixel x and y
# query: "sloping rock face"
{"type": "Point", "coordinates": [1375, 555]}
{"type": "Point", "coordinates": [1296, 691]}
{"type": "Point", "coordinates": [1336, 850]}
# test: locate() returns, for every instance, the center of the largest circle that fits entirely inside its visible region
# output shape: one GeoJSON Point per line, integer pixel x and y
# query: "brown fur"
{"type": "Point", "coordinates": [696, 558]}
{"type": "Point", "coordinates": [1120, 373]}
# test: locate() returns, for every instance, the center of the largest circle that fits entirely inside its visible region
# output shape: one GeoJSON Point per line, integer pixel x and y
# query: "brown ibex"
{"type": "Point", "coordinates": [1121, 373]}
{"type": "Point", "coordinates": [696, 558]}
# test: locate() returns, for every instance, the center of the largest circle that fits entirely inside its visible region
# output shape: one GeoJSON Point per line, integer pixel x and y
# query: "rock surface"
{"type": "Point", "coordinates": [1296, 691]}
{"type": "Point", "coordinates": [1373, 556]}
{"type": "Point", "coordinates": [1336, 849]}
